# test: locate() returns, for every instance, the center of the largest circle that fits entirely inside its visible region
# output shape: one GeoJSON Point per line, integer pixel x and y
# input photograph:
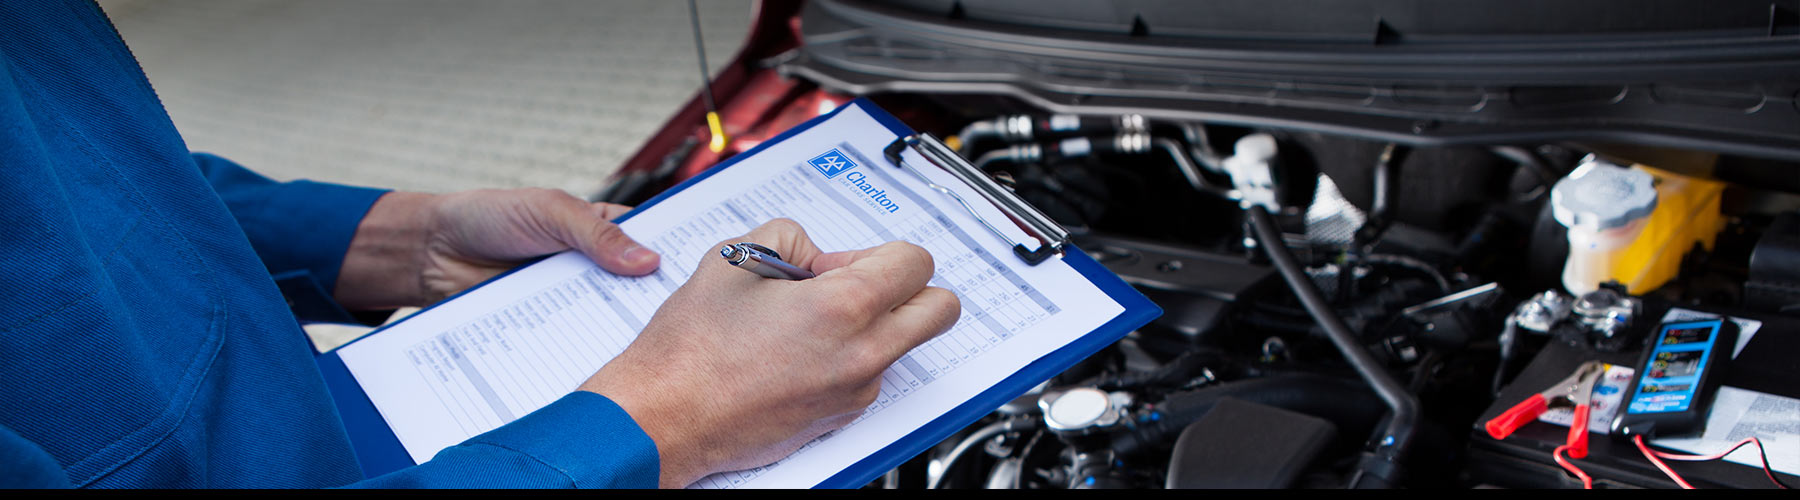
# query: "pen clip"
{"type": "Point", "coordinates": [765, 250]}
{"type": "Point", "coordinates": [1050, 236]}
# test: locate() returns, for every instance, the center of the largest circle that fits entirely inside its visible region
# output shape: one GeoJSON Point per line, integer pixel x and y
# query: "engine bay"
{"type": "Point", "coordinates": [1342, 308]}
{"type": "Point", "coordinates": [1440, 263]}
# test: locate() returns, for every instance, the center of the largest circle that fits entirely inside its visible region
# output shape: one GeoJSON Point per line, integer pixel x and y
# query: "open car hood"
{"type": "Point", "coordinates": [1717, 76]}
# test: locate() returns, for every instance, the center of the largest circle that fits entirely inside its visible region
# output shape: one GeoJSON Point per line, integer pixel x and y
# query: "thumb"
{"type": "Point", "coordinates": [589, 228]}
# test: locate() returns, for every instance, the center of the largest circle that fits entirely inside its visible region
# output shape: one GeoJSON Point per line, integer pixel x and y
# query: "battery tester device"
{"type": "Point", "coordinates": [1679, 373]}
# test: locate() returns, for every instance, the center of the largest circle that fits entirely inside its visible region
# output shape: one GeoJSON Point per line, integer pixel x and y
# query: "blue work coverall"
{"type": "Point", "coordinates": [143, 340]}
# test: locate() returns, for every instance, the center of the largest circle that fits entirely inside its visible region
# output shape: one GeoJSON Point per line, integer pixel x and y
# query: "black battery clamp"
{"type": "Point", "coordinates": [1677, 376]}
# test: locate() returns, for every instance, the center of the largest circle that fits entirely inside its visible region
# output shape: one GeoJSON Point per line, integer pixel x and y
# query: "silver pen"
{"type": "Point", "coordinates": [763, 261]}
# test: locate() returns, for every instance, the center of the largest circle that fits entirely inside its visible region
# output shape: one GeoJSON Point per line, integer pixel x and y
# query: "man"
{"type": "Point", "coordinates": [145, 344]}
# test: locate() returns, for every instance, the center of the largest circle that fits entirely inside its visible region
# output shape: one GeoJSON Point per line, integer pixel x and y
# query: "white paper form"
{"type": "Point", "coordinates": [1738, 414]}
{"type": "Point", "coordinates": [521, 342]}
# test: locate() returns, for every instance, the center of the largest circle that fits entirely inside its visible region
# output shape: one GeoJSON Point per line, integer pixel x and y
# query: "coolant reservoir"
{"type": "Point", "coordinates": [1632, 225]}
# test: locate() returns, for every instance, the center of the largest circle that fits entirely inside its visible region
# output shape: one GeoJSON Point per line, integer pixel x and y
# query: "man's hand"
{"type": "Point", "coordinates": [414, 249]}
{"type": "Point", "coordinates": [736, 370]}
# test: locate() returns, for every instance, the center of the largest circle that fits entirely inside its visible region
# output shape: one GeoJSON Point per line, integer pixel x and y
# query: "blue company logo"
{"type": "Point", "coordinates": [832, 163]}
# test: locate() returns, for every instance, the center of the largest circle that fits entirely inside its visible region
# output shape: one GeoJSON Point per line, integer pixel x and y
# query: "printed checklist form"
{"type": "Point", "coordinates": [520, 342]}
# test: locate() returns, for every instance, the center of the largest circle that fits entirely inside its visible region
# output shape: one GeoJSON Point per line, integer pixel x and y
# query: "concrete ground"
{"type": "Point", "coordinates": [427, 95]}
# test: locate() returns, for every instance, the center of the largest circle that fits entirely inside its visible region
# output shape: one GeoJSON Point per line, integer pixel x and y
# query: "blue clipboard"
{"type": "Point", "coordinates": [379, 452]}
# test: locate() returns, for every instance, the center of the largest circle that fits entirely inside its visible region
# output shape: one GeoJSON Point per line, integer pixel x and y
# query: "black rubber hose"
{"type": "Point", "coordinates": [1530, 160]}
{"type": "Point", "coordinates": [1346, 404]}
{"type": "Point", "coordinates": [1404, 407]}
{"type": "Point", "coordinates": [1387, 176]}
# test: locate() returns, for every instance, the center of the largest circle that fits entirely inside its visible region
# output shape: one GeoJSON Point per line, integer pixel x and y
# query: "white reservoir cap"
{"type": "Point", "coordinates": [1251, 173]}
{"type": "Point", "coordinates": [1255, 147]}
{"type": "Point", "coordinates": [1077, 409]}
{"type": "Point", "coordinates": [1598, 196]}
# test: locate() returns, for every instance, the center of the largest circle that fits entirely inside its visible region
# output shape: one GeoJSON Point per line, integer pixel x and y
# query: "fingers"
{"type": "Point", "coordinates": [784, 236]}
{"type": "Point", "coordinates": [888, 274]}
{"type": "Point", "coordinates": [916, 321]}
{"type": "Point", "coordinates": [610, 211]}
{"type": "Point", "coordinates": [787, 238]}
{"type": "Point", "coordinates": [589, 228]}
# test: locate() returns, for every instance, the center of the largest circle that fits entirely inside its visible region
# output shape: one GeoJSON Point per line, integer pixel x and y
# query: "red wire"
{"type": "Point", "coordinates": [1715, 456]}
{"type": "Point", "coordinates": [1653, 454]}
{"type": "Point", "coordinates": [1587, 482]}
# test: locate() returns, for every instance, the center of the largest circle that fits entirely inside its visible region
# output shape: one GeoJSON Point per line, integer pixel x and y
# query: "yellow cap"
{"type": "Point", "coordinates": [954, 142]}
{"type": "Point", "coordinates": [718, 131]}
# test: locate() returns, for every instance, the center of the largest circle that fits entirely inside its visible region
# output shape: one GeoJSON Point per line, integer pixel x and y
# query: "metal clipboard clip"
{"type": "Point", "coordinates": [1050, 236]}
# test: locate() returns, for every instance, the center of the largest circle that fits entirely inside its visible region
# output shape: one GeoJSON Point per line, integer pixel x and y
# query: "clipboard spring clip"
{"type": "Point", "coordinates": [1050, 236]}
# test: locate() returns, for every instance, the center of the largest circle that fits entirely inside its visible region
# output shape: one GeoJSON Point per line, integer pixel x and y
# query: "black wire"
{"type": "Point", "coordinates": [1403, 419]}
{"type": "Point", "coordinates": [1767, 470]}
{"type": "Point", "coordinates": [1761, 451]}
{"type": "Point", "coordinates": [1402, 261]}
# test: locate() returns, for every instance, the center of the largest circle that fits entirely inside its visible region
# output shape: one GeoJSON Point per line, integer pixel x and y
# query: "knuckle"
{"type": "Point", "coordinates": [606, 232]}
{"type": "Point", "coordinates": [867, 395]}
{"type": "Point", "coordinates": [547, 193]}
{"type": "Point", "coordinates": [611, 209]}
{"type": "Point", "coordinates": [856, 364]}
{"type": "Point", "coordinates": [490, 193]}
{"type": "Point", "coordinates": [909, 251]}
{"type": "Point", "coordinates": [943, 302]}
{"type": "Point", "coordinates": [783, 234]}
{"type": "Point", "coordinates": [924, 257]}
{"type": "Point", "coordinates": [862, 284]}
{"type": "Point", "coordinates": [772, 232]}
{"type": "Point", "coordinates": [866, 303]}
{"type": "Point", "coordinates": [852, 299]}
{"type": "Point", "coordinates": [845, 312]}
{"type": "Point", "coordinates": [870, 361]}
{"type": "Point", "coordinates": [911, 258]}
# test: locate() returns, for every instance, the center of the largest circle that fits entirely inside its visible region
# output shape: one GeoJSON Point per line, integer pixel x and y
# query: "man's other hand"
{"type": "Point", "coordinates": [414, 249]}
{"type": "Point", "coordinates": [736, 370]}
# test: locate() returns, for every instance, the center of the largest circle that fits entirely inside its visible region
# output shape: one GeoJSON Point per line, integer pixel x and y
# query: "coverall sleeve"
{"type": "Point", "coordinates": [583, 440]}
{"type": "Point", "coordinates": [297, 227]}
{"type": "Point", "coordinates": [301, 230]}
